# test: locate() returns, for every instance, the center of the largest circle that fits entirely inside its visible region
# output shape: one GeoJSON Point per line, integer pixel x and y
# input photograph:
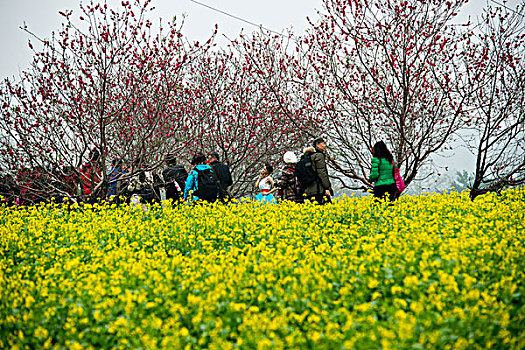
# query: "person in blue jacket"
{"type": "Point", "coordinates": [192, 185]}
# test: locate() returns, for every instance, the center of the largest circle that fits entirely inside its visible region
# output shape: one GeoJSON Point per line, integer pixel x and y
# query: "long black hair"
{"type": "Point", "coordinates": [381, 151]}
{"type": "Point", "coordinates": [269, 168]}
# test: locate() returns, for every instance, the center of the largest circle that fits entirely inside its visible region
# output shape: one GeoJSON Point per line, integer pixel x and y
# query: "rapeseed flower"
{"type": "Point", "coordinates": [431, 271]}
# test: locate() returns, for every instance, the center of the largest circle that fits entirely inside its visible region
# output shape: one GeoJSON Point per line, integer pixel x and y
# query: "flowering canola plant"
{"type": "Point", "coordinates": [430, 271]}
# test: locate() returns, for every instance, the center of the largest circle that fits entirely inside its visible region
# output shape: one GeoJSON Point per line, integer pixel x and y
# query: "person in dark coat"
{"type": "Point", "coordinates": [223, 174]}
{"type": "Point", "coordinates": [8, 190]}
{"type": "Point", "coordinates": [174, 176]}
{"type": "Point", "coordinates": [319, 191]}
{"type": "Point", "coordinates": [72, 183]}
{"type": "Point", "coordinates": [142, 187]}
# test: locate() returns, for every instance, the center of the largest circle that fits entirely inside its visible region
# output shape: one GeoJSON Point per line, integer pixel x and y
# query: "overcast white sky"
{"type": "Point", "coordinates": [42, 17]}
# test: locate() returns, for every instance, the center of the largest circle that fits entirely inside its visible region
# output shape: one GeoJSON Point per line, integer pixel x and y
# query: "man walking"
{"type": "Point", "coordinates": [223, 174]}
{"type": "Point", "coordinates": [174, 176]}
{"type": "Point", "coordinates": [320, 190]}
{"type": "Point", "coordinates": [202, 183]}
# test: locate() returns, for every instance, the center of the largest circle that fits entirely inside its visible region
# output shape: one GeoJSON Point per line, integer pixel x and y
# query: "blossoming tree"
{"type": "Point", "coordinates": [387, 70]}
{"type": "Point", "coordinates": [495, 61]}
{"type": "Point", "coordinates": [108, 81]}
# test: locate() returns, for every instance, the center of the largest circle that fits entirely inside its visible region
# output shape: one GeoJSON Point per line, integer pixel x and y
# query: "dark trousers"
{"type": "Point", "coordinates": [390, 191]}
{"type": "Point", "coordinates": [224, 196]}
{"type": "Point", "coordinates": [174, 196]}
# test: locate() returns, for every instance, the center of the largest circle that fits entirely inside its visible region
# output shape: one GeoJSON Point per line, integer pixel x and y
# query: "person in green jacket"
{"type": "Point", "coordinates": [382, 173]}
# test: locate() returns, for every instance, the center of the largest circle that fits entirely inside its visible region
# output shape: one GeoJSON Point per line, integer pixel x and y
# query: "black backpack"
{"type": "Point", "coordinates": [304, 171]}
{"type": "Point", "coordinates": [207, 186]}
{"type": "Point", "coordinates": [175, 173]}
{"type": "Point", "coordinates": [146, 192]}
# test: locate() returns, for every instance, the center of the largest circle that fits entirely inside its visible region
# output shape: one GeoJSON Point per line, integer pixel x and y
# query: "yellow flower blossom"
{"type": "Point", "coordinates": [430, 271]}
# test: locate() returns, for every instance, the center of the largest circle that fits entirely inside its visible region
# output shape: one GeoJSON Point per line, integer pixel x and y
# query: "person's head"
{"type": "Point", "coordinates": [290, 158]}
{"type": "Point", "coordinates": [213, 157]}
{"type": "Point", "coordinates": [381, 151]}
{"type": "Point", "coordinates": [170, 159]}
{"type": "Point", "coordinates": [319, 144]}
{"type": "Point", "coordinates": [268, 169]}
{"type": "Point", "coordinates": [198, 158]}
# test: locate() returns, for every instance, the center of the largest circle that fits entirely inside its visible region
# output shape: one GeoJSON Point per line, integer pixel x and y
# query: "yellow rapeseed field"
{"type": "Point", "coordinates": [430, 271]}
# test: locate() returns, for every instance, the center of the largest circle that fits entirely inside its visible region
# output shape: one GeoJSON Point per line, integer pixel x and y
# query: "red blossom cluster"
{"type": "Point", "coordinates": [110, 82]}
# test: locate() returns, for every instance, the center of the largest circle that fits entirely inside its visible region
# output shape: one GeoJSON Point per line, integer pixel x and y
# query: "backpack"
{"type": "Point", "coordinates": [146, 192]}
{"type": "Point", "coordinates": [304, 171]}
{"type": "Point", "coordinates": [207, 186]}
{"type": "Point", "coordinates": [400, 184]}
{"type": "Point", "coordinates": [175, 177]}
{"type": "Point", "coordinates": [144, 187]}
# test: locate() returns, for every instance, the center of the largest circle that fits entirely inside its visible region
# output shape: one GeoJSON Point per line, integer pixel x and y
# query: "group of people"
{"type": "Point", "coordinates": [304, 179]}
{"type": "Point", "coordinates": [209, 179]}
{"type": "Point", "coordinates": [307, 178]}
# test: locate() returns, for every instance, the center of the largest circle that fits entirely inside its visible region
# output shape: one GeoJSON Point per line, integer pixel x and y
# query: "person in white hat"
{"type": "Point", "coordinates": [287, 184]}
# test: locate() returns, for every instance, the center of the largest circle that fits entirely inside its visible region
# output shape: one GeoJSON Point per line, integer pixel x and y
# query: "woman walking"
{"type": "Point", "coordinates": [382, 173]}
